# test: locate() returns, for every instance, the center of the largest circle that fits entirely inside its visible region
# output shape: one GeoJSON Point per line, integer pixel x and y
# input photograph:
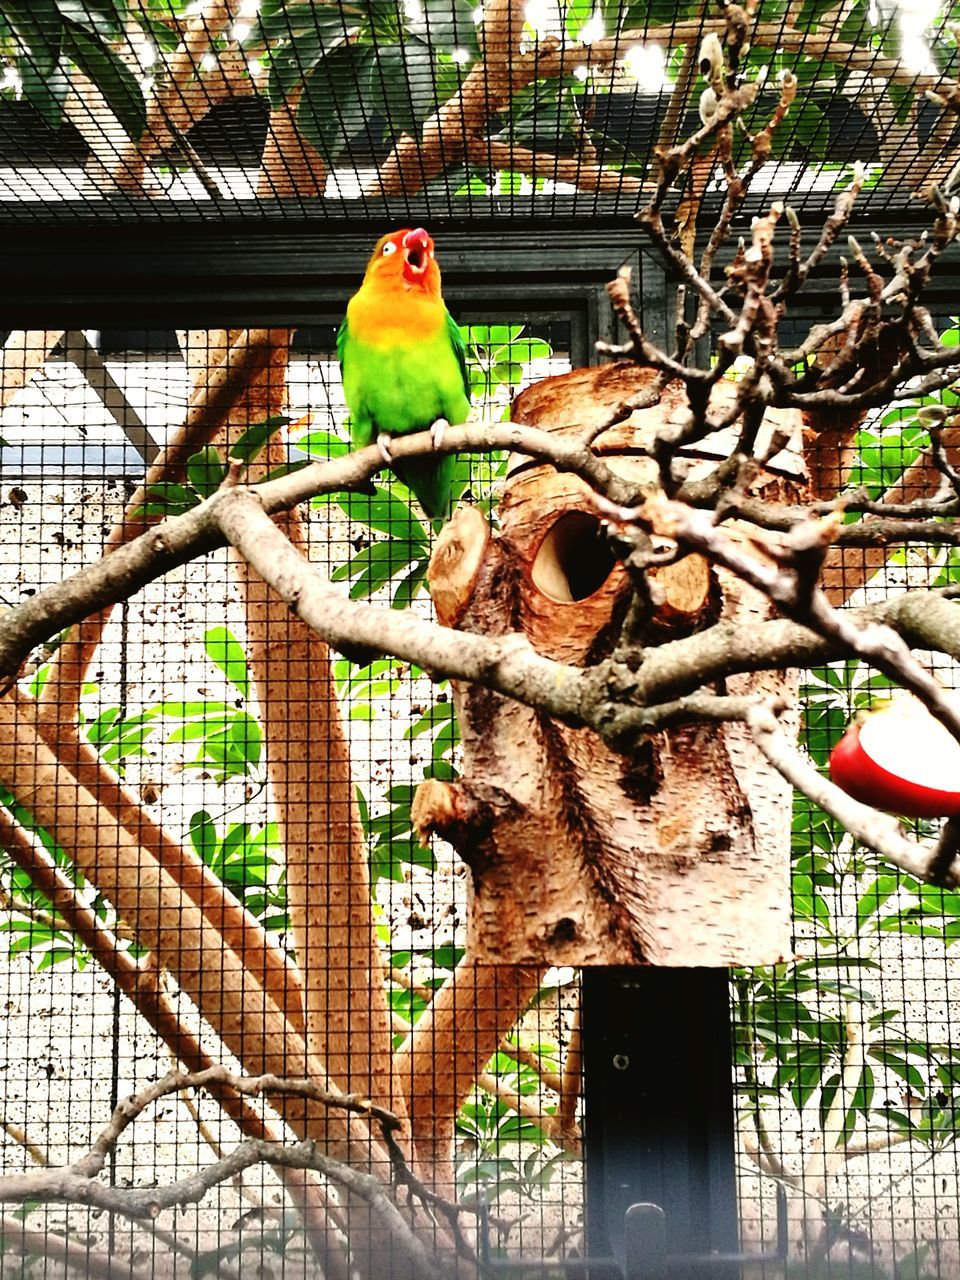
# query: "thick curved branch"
{"type": "Point", "coordinates": [167, 922]}
{"type": "Point", "coordinates": [168, 98]}
{"type": "Point", "coordinates": [438, 1069]}
{"type": "Point", "coordinates": [327, 875]}
{"type": "Point", "coordinates": [463, 119]}
{"type": "Point", "coordinates": [129, 567]}
{"type": "Point", "coordinates": [668, 671]}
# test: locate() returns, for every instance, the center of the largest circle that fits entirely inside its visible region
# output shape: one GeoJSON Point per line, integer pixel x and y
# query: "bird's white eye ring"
{"type": "Point", "coordinates": [389, 248]}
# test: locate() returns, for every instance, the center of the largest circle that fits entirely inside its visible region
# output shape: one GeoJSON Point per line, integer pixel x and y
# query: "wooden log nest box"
{"type": "Point", "coordinates": [678, 855]}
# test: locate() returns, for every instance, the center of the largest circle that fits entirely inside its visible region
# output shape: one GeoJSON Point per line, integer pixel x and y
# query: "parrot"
{"type": "Point", "coordinates": [404, 363]}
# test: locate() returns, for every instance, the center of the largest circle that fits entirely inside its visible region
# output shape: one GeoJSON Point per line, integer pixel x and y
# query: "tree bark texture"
{"type": "Point", "coordinates": [676, 855]}
{"type": "Point", "coordinates": [328, 883]}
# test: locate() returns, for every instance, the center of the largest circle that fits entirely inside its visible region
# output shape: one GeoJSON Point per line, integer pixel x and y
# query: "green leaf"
{"type": "Point", "coordinates": [111, 75]}
{"type": "Point", "coordinates": [249, 445]}
{"type": "Point", "coordinates": [410, 586]}
{"type": "Point", "coordinates": [190, 710]}
{"type": "Point", "coordinates": [332, 109]}
{"type": "Point", "coordinates": [246, 739]}
{"type": "Point", "coordinates": [449, 25]}
{"type": "Point", "coordinates": [203, 835]}
{"type": "Point", "coordinates": [385, 560]}
{"type": "Point", "coordinates": [99, 17]}
{"type": "Point", "coordinates": [287, 469]}
{"type": "Point", "coordinates": [385, 512]}
{"type": "Point", "coordinates": [293, 62]}
{"type": "Point", "coordinates": [37, 32]}
{"type": "Point", "coordinates": [873, 898]}
{"type": "Point", "coordinates": [402, 85]}
{"type": "Point", "coordinates": [206, 470]}
{"type": "Point", "coordinates": [165, 37]}
{"type": "Point", "coordinates": [491, 335]}
{"type": "Point", "coordinates": [45, 92]}
{"type": "Point", "coordinates": [286, 21]}
{"type": "Point", "coordinates": [900, 1066]}
{"type": "Point", "coordinates": [225, 651]}
{"type": "Point", "coordinates": [805, 131]}
{"type": "Point", "coordinates": [507, 371]}
{"type": "Point", "coordinates": [322, 445]}
{"type": "Point", "coordinates": [170, 499]}
{"type": "Point", "coordinates": [811, 11]}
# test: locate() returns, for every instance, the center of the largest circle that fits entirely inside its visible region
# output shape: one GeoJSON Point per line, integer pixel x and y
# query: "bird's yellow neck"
{"type": "Point", "coordinates": [387, 317]}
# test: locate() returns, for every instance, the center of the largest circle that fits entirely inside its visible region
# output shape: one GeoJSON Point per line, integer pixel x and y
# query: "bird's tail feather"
{"type": "Point", "coordinates": [431, 479]}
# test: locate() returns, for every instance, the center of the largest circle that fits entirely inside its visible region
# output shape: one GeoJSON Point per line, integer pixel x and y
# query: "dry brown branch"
{"type": "Point", "coordinates": [530, 1058]}
{"type": "Point", "coordinates": [290, 165]}
{"type": "Point", "coordinates": [327, 877]}
{"type": "Point", "coordinates": [17, 1135]}
{"type": "Point", "coordinates": [405, 1254]}
{"type": "Point", "coordinates": [197, 37]}
{"type": "Point", "coordinates": [21, 356]}
{"type": "Point", "coordinates": [788, 575]}
{"type": "Point", "coordinates": [572, 695]}
{"type": "Point", "coordinates": [460, 124]}
{"type": "Point", "coordinates": [486, 89]}
{"type": "Point", "coordinates": [142, 983]}
{"type": "Point", "coordinates": [437, 1068]}
{"type": "Point", "coordinates": [822, 45]}
{"type": "Point", "coordinates": [18, 1238]}
{"type": "Point", "coordinates": [211, 402]}
{"type": "Point", "coordinates": [228, 80]}
{"type": "Point", "coordinates": [490, 154]}
{"type": "Point", "coordinates": [207, 410]}
{"type": "Point", "coordinates": [571, 1083]}
{"type": "Point", "coordinates": [78, 1183]}
{"type": "Point", "coordinates": [165, 920]}
{"type": "Point", "coordinates": [259, 952]}
{"type": "Point", "coordinates": [844, 573]}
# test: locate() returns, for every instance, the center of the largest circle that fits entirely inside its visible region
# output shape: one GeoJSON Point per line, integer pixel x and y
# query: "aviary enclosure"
{"type": "Point", "coordinates": [386, 897]}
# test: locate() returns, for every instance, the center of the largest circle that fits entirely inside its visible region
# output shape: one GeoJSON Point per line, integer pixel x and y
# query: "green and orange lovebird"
{"type": "Point", "coordinates": [403, 362]}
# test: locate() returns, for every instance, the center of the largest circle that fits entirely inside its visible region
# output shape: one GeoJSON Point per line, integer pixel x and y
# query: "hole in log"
{"type": "Point", "coordinates": [575, 558]}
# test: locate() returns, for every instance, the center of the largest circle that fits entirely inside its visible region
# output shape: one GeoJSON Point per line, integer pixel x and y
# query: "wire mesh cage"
{"type": "Point", "coordinates": [853, 1037]}
{"type": "Point", "coordinates": [272, 110]}
{"type": "Point", "coordinates": [213, 862]}
{"type": "Point", "coordinates": [171, 705]}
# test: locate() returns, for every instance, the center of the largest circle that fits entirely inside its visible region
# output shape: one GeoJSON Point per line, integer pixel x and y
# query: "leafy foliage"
{"type": "Point", "coordinates": [46, 38]}
{"type": "Point", "coordinates": [248, 861]}
{"type": "Point", "coordinates": [370, 70]}
{"type": "Point", "coordinates": [364, 72]}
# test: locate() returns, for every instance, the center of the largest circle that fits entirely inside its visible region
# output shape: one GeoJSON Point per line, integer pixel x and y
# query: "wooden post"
{"type": "Point", "coordinates": [677, 855]}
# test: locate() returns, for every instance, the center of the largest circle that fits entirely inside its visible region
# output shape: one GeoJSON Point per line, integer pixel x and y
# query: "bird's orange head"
{"type": "Point", "coordinates": [404, 260]}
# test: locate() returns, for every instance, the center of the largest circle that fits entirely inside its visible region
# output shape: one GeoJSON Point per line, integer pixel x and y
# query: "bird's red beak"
{"type": "Point", "coordinates": [417, 247]}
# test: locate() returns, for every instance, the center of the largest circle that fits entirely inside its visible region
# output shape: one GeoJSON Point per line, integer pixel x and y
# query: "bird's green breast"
{"type": "Point", "coordinates": [403, 386]}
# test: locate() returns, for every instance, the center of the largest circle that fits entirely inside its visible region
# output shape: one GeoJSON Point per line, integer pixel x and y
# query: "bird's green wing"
{"type": "Point", "coordinates": [359, 422]}
{"type": "Point", "coordinates": [459, 348]}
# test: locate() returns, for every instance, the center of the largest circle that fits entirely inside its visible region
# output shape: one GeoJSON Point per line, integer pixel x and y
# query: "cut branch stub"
{"type": "Point", "coordinates": [676, 854]}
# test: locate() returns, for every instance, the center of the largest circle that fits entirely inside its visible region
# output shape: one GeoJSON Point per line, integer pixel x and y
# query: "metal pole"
{"type": "Point", "coordinates": [659, 1113]}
